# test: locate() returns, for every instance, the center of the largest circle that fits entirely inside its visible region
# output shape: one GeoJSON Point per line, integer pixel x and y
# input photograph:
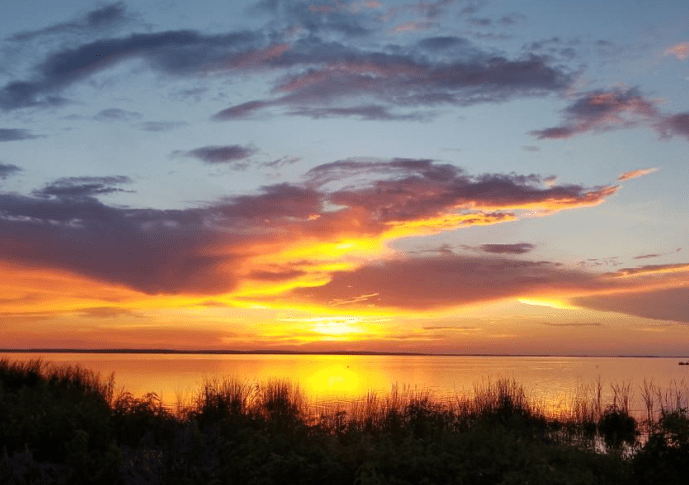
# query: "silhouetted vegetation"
{"type": "Point", "coordinates": [66, 425]}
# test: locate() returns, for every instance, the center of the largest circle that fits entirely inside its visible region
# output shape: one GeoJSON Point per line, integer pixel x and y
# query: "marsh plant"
{"type": "Point", "coordinates": [68, 425]}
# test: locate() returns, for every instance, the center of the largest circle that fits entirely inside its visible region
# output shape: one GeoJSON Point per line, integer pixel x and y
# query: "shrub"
{"type": "Point", "coordinates": [617, 427]}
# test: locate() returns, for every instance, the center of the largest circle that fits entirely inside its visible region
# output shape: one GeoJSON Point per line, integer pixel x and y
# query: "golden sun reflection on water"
{"type": "Point", "coordinates": [335, 379]}
{"type": "Point", "coordinates": [557, 384]}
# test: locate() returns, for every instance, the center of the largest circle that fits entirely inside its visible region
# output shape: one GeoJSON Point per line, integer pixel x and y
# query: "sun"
{"type": "Point", "coordinates": [337, 328]}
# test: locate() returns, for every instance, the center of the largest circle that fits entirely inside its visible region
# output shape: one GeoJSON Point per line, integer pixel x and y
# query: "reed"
{"type": "Point", "coordinates": [68, 422]}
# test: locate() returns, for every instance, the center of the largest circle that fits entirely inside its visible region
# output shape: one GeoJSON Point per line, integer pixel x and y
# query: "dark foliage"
{"type": "Point", "coordinates": [65, 426]}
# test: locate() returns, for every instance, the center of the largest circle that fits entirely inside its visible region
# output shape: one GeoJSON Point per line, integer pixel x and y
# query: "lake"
{"type": "Point", "coordinates": [339, 379]}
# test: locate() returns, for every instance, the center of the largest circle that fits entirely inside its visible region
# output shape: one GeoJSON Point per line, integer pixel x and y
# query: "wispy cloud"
{"type": "Point", "coordinates": [156, 126]}
{"type": "Point", "coordinates": [412, 26]}
{"type": "Point", "coordinates": [519, 248]}
{"type": "Point", "coordinates": [8, 169]}
{"type": "Point", "coordinates": [652, 269]}
{"type": "Point", "coordinates": [367, 113]}
{"type": "Point", "coordinates": [180, 52]}
{"type": "Point", "coordinates": [116, 114]}
{"type": "Point", "coordinates": [675, 125]}
{"type": "Point", "coordinates": [214, 154]}
{"type": "Point", "coordinates": [632, 174]}
{"type": "Point", "coordinates": [16, 134]}
{"type": "Point", "coordinates": [656, 255]}
{"type": "Point", "coordinates": [83, 187]}
{"type": "Point", "coordinates": [680, 51]}
{"type": "Point", "coordinates": [572, 324]}
{"type": "Point", "coordinates": [95, 21]}
{"type": "Point", "coordinates": [602, 111]}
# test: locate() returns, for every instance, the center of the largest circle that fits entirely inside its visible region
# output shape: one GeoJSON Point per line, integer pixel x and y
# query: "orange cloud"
{"type": "Point", "coordinates": [406, 285]}
{"type": "Point", "coordinates": [601, 111]}
{"type": "Point", "coordinates": [632, 174]}
{"type": "Point", "coordinates": [258, 250]}
{"type": "Point", "coordinates": [411, 26]}
{"type": "Point", "coordinates": [680, 51]}
{"type": "Point", "coordinates": [649, 270]}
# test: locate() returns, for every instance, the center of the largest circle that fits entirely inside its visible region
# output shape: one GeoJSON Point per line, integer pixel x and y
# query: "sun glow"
{"type": "Point", "coordinates": [550, 303]}
{"type": "Point", "coordinates": [335, 379]}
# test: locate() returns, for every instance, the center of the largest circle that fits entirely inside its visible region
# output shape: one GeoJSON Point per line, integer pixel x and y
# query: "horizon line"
{"type": "Point", "coordinates": [306, 352]}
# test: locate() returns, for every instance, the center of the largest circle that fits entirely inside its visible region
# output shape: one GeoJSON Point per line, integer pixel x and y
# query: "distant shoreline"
{"type": "Point", "coordinates": [294, 352]}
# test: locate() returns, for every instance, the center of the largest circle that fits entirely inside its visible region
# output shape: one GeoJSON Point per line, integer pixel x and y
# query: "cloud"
{"type": "Point", "coordinates": [284, 234]}
{"type": "Point", "coordinates": [7, 170]}
{"type": "Point", "coordinates": [405, 81]}
{"type": "Point", "coordinates": [366, 113]}
{"type": "Point", "coordinates": [519, 248]}
{"type": "Point", "coordinates": [465, 329]}
{"type": "Point", "coordinates": [445, 281]}
{"type": "Point", "coordinates": [412, 26]}
{"type": "Point", "coordinates": [116, 114]}
{"type": "Point", "coordinates": [277, 275]}
{"type": "Point", "coordinates": [424, 189]}
{"type": "Point", "coordinates": [664, 304]}
{"type": "Point", "coordinates": [511, 19]}
{"type": "Point", "coordinates": [94, 21]}
{"type": "Point", "coordinates": [240, 111]}
{"type": "Point", "coordinates": [315, 70]}
{"type": "Point", "coordinates": [318, 18]}
{"type": "Point", "coordinates": [656, 255]}
{"type": "Point", "coordinates": [149, 251]}
{"type": "Point", "coordinates": [648, 256]}
{"type": "Point", "coordinates": [179, 52]}
{"type": "Point", "coordinates": [602, 111]}
{"type": "Point", "coordinates": [582, 324]}
{"type": "Point", "coordinates": [652, 269]}
{"type": "Point", "coordinates": [333, 79]}
{"type": "Point", "coordinates": [82, 187]}
{"type": "Point", "coordinates": [442, 43]}
{"type": "Point", "coordinates": [15, 134]}
{"type": "Point", "coordinates": [680, 51]}
{"type": "Point", "coordinates": [441, 281]}
{"type": "Point", "coordinates": [228, 154]}
{"type": "Point", "coordinates": [107, 312]}
{"type": "Point", "coordinates": [636, 173]}
{"type": "Point", "coordinates": [480, 22]}
{"type": "Point", "coordinates": [281, 162]}
{"type": "Point", "coordinates": [675, 125]}
{"type": "Point", "coordinates": [156, 126]}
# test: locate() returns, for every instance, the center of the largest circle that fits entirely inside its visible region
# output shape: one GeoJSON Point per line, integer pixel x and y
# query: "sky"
{"type": "Point", "coordinates": [445, 176]}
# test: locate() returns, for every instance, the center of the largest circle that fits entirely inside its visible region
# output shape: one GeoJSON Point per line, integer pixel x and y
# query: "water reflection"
{"type": "Point", "coordinates": [553, 382]}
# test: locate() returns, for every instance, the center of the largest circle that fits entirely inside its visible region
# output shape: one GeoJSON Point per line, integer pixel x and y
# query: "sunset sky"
{"type": "Point", "coordinates": [435, 176]}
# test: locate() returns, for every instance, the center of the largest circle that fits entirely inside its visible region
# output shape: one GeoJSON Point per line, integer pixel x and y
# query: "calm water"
{"type": "Point", "coordinates": [553, 381]}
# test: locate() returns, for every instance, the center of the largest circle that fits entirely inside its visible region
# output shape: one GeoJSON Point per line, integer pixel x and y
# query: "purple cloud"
{"type": "Point", "coordinates": [244, 110]}
{"type": "Point", "coordinates": [94, 21]}
{"type": "Point", "coordinates": [15, 134]}
{"type": "Point", "coordinates": [83, 187]}
{"type": "Point", "coordinates": [8, 169]}
{"type": "Point", "coordinates": [602, 111]}
{"type": "Point", "coordinates": [367, 113]}
{"type": "Point", "coordinates": [675, 125]}
{"type": "Point", "coordinates": [180, 52]}
{"type": "Point", "coordinates": [116, 114]}
{"type": "Point", "coordinates": [221, 154]}
{"type": "Point", "coordinates": [65, 226]}
{"type": "Point", "coordinates": [519, 248]}
{"type": "Point", "coordinates": [156, 126]}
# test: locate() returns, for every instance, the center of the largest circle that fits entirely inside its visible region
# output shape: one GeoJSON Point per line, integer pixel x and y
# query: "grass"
{"type": "Point", "coordinates": [67, 425]}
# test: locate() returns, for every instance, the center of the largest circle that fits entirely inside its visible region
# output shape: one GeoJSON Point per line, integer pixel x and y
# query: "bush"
{"type": "Point", "coordinates": [665, 456]}
{"type": "Point", "coordinates": [617, 427]}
